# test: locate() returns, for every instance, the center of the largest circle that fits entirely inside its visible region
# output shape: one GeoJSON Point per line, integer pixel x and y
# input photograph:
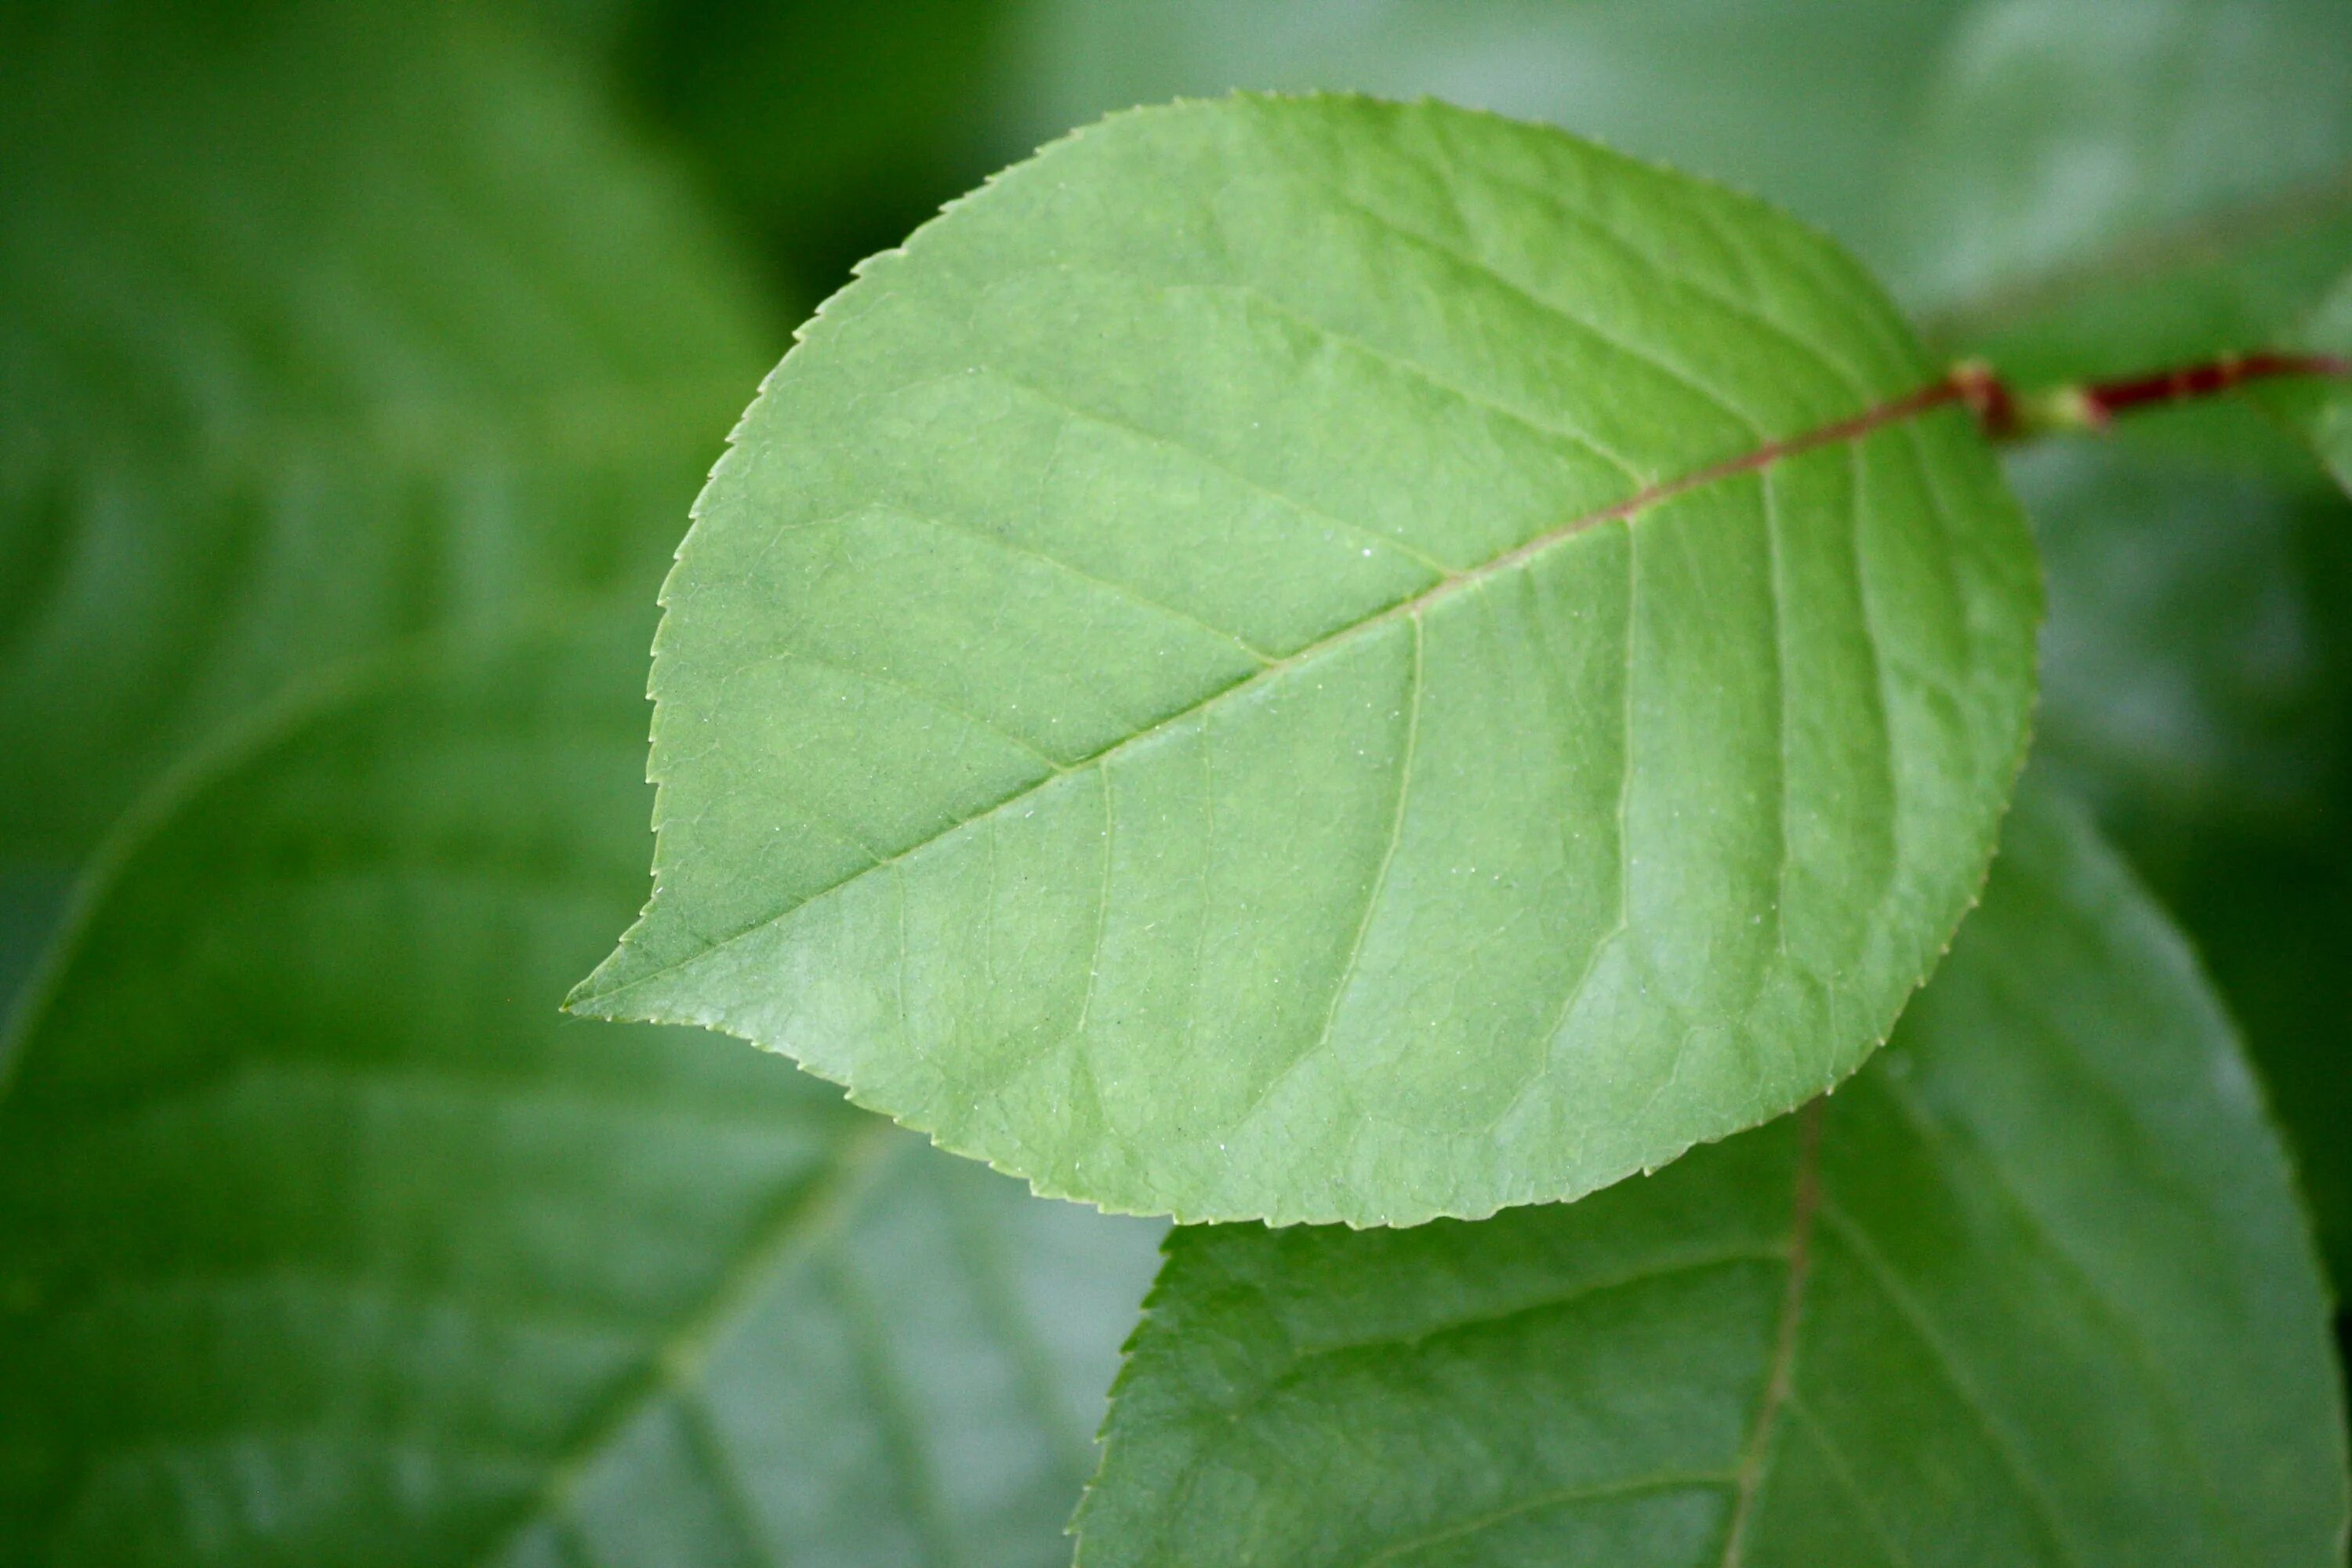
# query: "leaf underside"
{"type": "Point", "coordinates": [1315, 659]}
{"type": "Point", "coordinates": [329, 1241]}
{"type": "Point", "coordinates": [2033, 1288]}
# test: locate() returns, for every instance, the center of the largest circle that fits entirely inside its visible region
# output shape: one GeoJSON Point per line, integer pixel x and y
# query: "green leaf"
{"type": "Point", "coordinates": [1312, 659]}
{"type": "Point", "coordinates": [2031, 1289]}
{"type": "Point", "coordinates": [32, 899]}
{"type": "Point", "coordinates": [2272, 910]}
{"type": "Point", "coordinates": [2094, 190]}
{"type": "Point", "coordinates": [325, 1239]}
{"type": "Point", "coordinates": [1806, 103]}
{"type": "Point", "coordinates": [823, 128]}
{"type": "Point", "coordinates": [2320, 408]}
{"type": "Point", "coordinates": [322, 327]}
{"type": "Point", "coordinates": [2197, 687]}
{"type": "Point", "coordinates": [2186, 679]}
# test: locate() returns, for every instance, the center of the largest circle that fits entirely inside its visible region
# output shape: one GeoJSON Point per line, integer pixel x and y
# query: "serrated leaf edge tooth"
{"type": "Point", "coordinates": [584, 998]}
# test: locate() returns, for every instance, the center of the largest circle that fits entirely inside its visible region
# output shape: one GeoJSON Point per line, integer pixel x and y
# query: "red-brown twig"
{"type": "Point", "coordinates": [2005, 415]}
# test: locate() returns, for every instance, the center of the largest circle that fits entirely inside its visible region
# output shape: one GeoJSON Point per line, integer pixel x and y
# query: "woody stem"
{"type": "Point", "coordinates": [2006, 416]}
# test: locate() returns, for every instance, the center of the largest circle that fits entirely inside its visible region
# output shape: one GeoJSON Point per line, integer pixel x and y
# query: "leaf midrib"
{"type": "Point", "coordinates": [675, 1360]}
{"type": "Point", "coordinates": [588, 998]}
{"type": "Point", "coordinates": [1780, 1376]}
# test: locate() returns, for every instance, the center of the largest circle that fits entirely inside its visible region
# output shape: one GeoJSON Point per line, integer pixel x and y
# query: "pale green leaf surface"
{"type": "Point", "coordinates": [319, 327]}
{"type": "Point", "coordinates": [1223, 679]}
{"type": "Point", "coordinates": [325, 1239]}
{"type": "Point", "coordinates": [2034, 1289]}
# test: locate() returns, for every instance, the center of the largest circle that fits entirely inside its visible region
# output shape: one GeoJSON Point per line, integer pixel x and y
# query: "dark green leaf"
{"type": "Point", "coordinates": [1313, 659]}
{"type": "Point", "coordinates": [2187, 679]}
{"type": "Point", "coordinates": [832, 133]}
{"type": "Point", "coordinates": [2097, 189]}
{"type": "Point", "coordinates": [2034, 1289]}
{"type": "Point", "coordinates": [32, 899]}
{"type": "Point", "coordinates": [2197, 677]}
{"type": "Point", "coordinates": [324, 1239]}
{"type": "Point", "coordinates": [2320, 408]}
{"type": "Point", "coordinates": [2272, 913]}
{"type": "Point", "coordinates": [320, 326]}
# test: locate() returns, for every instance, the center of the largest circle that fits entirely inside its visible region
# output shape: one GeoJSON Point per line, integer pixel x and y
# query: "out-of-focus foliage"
{"type": "Point", "coordinates": [2188, 670]}
{"type": "Point", "coordinates": [2273, 913]}
{"type": "Point", "coordinates": [326, 330]}
{"type": "Point", "coordinates": [1805, 102]}
{"type": "Point", "coordinates": [319, 327]}
{"type": "Point", "coordinates": [834, 129]}
{"type": "Point", "coordinates": [2322, 411]}
{"type": "Point", "coordinates": [32, 896]}
{"type": "Point", "coordinates": [2093, 188]}
{"type": "Point", "coordinates": [325, 1238]}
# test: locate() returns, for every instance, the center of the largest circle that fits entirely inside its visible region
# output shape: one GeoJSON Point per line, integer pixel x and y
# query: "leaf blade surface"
{"type": "Point", "coordinates": [324, 1238]}
{"type": "Point", "coordinates": [2321, 409]}
{"type": "Point", "coordinates": [1153, 696]}
{"type": "Point", "coordinates": [2033, 1288]}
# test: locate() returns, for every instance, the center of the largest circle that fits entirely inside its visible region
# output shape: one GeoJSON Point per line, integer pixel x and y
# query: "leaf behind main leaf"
{"type": "Point", "coordinates": [325, 1239]}
{"type": "Point", "coordinates": [1313, 659]}
{"type": "Point", "coordinates": [320, 327]}
{"type": "Point", "coordinates": [2033, 1290]}
{"type": "Point", "coordinates": [2095, 191]}
{"type": "Point", "coordinates": [2320, 408]}
{"type": "Point", "coordinates": [1803, 102]}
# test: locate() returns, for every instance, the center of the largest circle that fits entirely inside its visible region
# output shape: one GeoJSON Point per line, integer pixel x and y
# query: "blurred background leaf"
{"type": "Point", "coordinates": [2321, 412]}
{"type": "Point", "coordinates": [831, 130]}
{"type": "Point", "coordinates": [2190, 665]}
{"type": "Point", "coordinates": [2198, 685]}
{"type": "Point", "coordinates": [1803, 102]}
{"type": "Point", "coordinates": [332, 1241]}
{"type": "Point", "coordinates": [319, 327]}
{"type": "Point", "coordinates": [32, 896]}
{"type": "Point", "coordinates": [2093, 188]}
